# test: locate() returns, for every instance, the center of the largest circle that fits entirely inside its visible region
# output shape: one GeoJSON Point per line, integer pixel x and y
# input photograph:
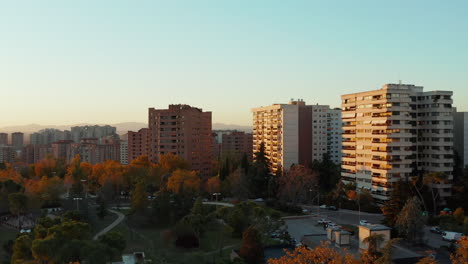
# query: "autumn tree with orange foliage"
{"type": "Point", "coordinates": [108, 173]}
{"type": "Point", "coordinates": [317, 255]}
{"type": "Point", "coordinates": [76, 172]}
{"type": "Point", "coordinates": [170, 162]}
{"type": "Point", "coordinates": [461, 255]}
{"type": "Point", "coordinates": [184, 182]}
{"type": "Point", "coordinates": [213, 185]}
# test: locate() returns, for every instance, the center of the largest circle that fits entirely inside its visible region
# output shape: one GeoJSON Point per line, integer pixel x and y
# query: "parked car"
{"type": "Point", "coordinates": [363, 222]}
{"type": "Point", "coordinates": [305, 211]}
{"type": "Point", "coordinates": [323, 221]}
{"type": "Point", "coordinates": [274, 235]}
{"type": "Point", "coordinates": [436, 229]}
{"type": "Point", "coordinates": [323, 206]}
{"type": "Point", "coordinates": [332, 208]}
{"type": "Point", "coordinates": [451, 236]}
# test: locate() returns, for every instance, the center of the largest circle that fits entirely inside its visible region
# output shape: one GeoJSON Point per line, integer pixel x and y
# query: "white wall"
{"type": "Point", "coordinates": [290, 136]}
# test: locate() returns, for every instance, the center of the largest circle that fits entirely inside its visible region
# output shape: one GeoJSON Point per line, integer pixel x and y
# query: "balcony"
{"type": "Point", "coordinates": [349, 148]}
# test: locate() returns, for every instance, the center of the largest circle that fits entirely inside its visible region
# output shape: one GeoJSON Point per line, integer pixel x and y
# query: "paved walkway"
{"type": "Point", "coordinates": [220, 203]}
{"type": "Point", "coordinates": [119, 219]}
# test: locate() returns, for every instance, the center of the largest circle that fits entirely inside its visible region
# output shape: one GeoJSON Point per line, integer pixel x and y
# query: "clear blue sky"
{"type": "Point", "coordinates": [97, 61]}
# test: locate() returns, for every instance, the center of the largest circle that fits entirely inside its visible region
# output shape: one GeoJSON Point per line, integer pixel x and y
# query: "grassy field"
{"type": "Point", "coordinates": [96, 223]}
{"type": "Point", "coordinates": [5, 235]}
{"type": "Point", "coordinates": [158, 245]}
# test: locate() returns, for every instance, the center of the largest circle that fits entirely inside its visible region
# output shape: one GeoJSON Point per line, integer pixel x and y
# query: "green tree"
{"type": "Point", "coordinates": [328, 172]}
{"type": "Point", "coordinates": [139, 198]}
{"type": "Point", "coordinates": [114, 240]}
{"type": "Point", "coordinates": [430, 180]}
{"type": "Point", "coordinates": [21, 250]}
{"type": "Point", "coordinates": [251, 249]}
{"type": "Point", "coordinates": [410, 222]}
{"type": "Point", "coordinates": [102, 207]}
{"type": "Point", "coordinates": [18, 205]}
{"type": "Point", "coordinates": [97, 253]}
{"type": "Point", "coordinates": [398, 197]}
{"type": "Point", "coordinates": [387, 252]}
{"type": "Point", "coordinates": [259, 173]}
{"type": "Point", "coordinates": [162, 210]}
{"type": "Point", "coordinates": [373, 243]}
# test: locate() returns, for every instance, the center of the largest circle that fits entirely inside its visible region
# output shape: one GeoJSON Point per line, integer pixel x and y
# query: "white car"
{"type": "Point", "coordinates": [323, 206]}
{"type": "Point", "coordinates": [333, 225]}
{"type": "Point", "coordinates": [451, 236]}
{"type": "Point", "coordinates": [363, 222]}
{"type": "Point", "coordinates": [323, 221]}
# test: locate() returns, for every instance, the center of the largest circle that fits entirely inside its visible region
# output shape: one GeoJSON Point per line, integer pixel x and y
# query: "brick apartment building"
{"type": "Point", "coordinates": [184, 131]}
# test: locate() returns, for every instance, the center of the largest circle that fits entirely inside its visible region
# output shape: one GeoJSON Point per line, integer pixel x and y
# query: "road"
{"type": "Point", "coordinates": [344, 216]}
{"type": "Point", "coordinates": [119, 219]}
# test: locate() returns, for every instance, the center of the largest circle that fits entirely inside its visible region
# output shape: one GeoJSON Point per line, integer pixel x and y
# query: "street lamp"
{"type": "Point", "coordinates": [83, 181]}
{"type": "Point", "coordinates": [77, 199]}
{"type": "Point", "coordinates": [216, 195]}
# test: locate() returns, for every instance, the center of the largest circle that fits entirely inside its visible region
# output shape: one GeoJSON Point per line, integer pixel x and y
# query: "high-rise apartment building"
{"type": "Point", "coordinates": [184, 131]}
{"type": "Point", "coordinates": [48, 136]}
{"type": "Point", "coordinates": [236, 144]}
{"type": "Point", "coordinates": [34, 153]}
{"type": "Point", "coordinates": [319, 130]}
{"type": "Point", "coordinates": [334, 134]}
{"type": "Point", "coordinates": [124, 152]}
{"type": "Point", "coordinates": [3, 139]}
{"type": "Point", "coordinates": [138, 144]}
{"type": "Point", "coordinates": [82, 132]}
{"type": "Point", "coordinates": [62, 149]}
{"type": "Point", "coordinates": [7, 154]}
{"type": "Point", "coordinates": [17, 140]}
{"type": "Point", "coordinates": [293, 133]}
{"type": "Point", "coordinates": [396, 132]}
{"type": "Point", "coordinates": [461, 137]}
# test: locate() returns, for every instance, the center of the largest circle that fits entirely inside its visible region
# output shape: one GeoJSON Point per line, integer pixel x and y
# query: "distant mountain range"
{"type": "Point", "coordinates": [122, 128]}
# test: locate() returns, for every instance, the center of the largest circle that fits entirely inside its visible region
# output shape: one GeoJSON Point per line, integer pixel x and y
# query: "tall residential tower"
{"type": "Point", "coordinates": [396, 132]}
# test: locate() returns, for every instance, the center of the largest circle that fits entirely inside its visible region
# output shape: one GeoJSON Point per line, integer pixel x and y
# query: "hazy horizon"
{"type": "Point", "coordinates": [109, 61]}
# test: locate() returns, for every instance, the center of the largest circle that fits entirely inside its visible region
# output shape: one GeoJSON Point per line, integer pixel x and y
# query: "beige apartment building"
{"type": "Point", "coordinates": [293, 133]}
{"type": "Point", "coordinates": [396, 132]}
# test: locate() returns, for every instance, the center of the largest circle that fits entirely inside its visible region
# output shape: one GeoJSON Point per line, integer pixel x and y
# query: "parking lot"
{"type": "Point", "coordinates": [348, 217]}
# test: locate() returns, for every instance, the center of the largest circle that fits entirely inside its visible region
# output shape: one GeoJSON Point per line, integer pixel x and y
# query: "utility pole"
{"type": "Point", "coordinates": [77, 199]}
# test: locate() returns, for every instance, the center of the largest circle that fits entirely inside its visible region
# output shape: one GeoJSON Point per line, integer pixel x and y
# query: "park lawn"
{"type": "Point", "coordinates": [97, 224]}
{"type": "Point", "coordinates": [5, 235]}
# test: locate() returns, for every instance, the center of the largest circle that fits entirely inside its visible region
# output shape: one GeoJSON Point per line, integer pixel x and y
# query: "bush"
{"type": "Point", "coordinates": [187, 241]}
{"type": "Point", "coordinates": [286, 208]}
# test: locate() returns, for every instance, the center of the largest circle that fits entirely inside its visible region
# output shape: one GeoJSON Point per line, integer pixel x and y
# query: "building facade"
{"type": "Point", "coordinates": [237, 144]}
{"type": "Point", "coordinates": [184, 131]}
{"type": "Point", "coordinates": [82, 132]}
{"type": "Point", "coordinates": [138, 144]}
{"type": "Point", "coordinates": [461, 137]}
{"type": "Point", "coordinates": [3, 139]}
{"type": "Point", "coordinates": [48, 136]}
{"type": "Point", "coordinates": [396, 132]}
{"type": "Point", "coordinates": [17, 140]}
{"type": "Point", "coordinates": [7, 154]}
{"type": "Point", "coordinates": [124, 152]}
{"type": "Point", "coordinates": [293, 133]}
{"type": "Point", "coordinates": [334, 134]}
